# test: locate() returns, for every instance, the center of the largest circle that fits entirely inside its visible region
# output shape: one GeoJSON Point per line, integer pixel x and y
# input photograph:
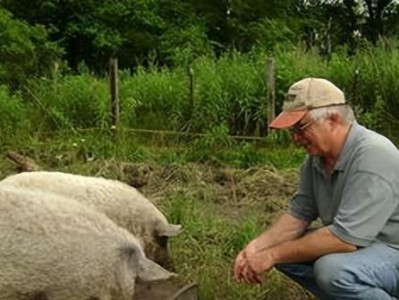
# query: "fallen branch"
{"type": "Point", "coordinates": [22, 162]}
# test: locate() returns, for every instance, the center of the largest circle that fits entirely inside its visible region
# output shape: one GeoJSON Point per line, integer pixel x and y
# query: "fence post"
{"type": "Point", "coordinates": [113, 80]}
{"type": "Point", "coordinates": [271, 93]}
{"type": "Point", "coordinates": [328, 39]}
{"type": "Point", "coordinates": [191, 89]}
{"type": "Point", "coordinates": [188, 110]}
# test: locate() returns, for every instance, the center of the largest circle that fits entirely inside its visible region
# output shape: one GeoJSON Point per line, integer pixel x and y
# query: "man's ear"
{"type": "Point", "coordinates": [334, 120]}
{"type": "Point", "coordinates": [334, 116]}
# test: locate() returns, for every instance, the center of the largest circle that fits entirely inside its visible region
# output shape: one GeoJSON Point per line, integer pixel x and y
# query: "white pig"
{"type": "Point", "coordinates": [52, 247]}
{"type": "Point", "coordinates": [122, 203]}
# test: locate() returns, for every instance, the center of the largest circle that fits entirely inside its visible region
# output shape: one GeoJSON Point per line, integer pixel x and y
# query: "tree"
{"type": "Point", "coordinates": [24, 50]}
{"type": "Point", "coordinates": [371, 19]}
{"type": "Point", "coordinates": [93, 30]}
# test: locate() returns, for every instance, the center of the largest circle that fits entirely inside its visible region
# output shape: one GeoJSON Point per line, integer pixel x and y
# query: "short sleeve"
{"type": "Point", "coordinates": [367, 204]}
{"type": "Point", "coordinates": [302, 204]}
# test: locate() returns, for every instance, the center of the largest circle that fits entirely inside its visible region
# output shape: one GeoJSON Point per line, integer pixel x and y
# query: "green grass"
{"type": "Point", "coordinates": [206, 250]}
{"type": "Point", "coordinates": [66, 149]}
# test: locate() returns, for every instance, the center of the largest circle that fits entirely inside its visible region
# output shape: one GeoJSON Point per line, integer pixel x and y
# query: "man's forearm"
{"type": "Point", "coordinates": [309, 247]}
{"type": "Point", "coordinates": [285, 228]}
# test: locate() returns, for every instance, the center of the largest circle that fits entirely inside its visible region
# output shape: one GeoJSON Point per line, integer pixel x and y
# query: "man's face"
{"type": "Point", "coordinates": [312, 135]}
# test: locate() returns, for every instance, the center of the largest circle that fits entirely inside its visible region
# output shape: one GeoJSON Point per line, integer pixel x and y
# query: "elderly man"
{"type": "Point", "coordinates": [350, 181]}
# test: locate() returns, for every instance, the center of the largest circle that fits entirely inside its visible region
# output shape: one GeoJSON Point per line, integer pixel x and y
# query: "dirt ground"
{"type": "Point", "coordinates": [229, 189]}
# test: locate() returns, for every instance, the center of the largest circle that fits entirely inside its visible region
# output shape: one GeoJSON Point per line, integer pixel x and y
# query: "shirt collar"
{"type": "Point", "coordinates": [348, 146]}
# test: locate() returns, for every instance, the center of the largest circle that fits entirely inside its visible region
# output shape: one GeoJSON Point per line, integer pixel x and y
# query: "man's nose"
{"type": "Point", "coordinates": [295, 136]}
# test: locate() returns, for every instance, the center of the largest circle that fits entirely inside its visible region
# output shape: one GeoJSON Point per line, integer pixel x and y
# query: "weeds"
{"type": "Point", "coordinates": [206, 250]}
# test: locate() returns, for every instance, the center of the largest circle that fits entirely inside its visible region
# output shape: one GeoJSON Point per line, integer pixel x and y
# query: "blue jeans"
{"type": "Point", "coordinates": [370, 273]}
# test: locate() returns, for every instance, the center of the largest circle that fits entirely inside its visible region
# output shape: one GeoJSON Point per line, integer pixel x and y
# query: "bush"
{"type": "Point", "coordinates": [25, 51]}
{"type": "Point", "coordinates": [14, 113]}
{"type": "Point", "coordinates": [72, 102]}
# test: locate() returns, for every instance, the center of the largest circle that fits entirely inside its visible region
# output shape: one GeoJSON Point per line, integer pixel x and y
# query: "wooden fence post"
{"type": "Point", "coordinates": [113, 80]}
{"type": "Point", "coordinates": [191, 89]}
{"type": "Point", "coordinates": [271, 93]}
{"type": "Point", "coordinates": [328, 39]}
{"type": "Point", "coordinates": [188, 109]}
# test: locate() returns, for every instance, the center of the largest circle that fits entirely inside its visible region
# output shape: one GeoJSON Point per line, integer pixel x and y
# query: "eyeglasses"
{"type": "Point", "coordinates": [300, 128]}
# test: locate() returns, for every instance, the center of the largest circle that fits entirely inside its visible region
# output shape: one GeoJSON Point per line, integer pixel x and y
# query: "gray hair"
{"type": "Point", "coordinates": [345, 111]}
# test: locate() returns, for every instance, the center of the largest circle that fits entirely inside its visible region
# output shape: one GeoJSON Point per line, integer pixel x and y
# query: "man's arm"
{"type": "Point", "coordinates": [285, 228]}
{"type": "Point", "coordinates": [307, 248]}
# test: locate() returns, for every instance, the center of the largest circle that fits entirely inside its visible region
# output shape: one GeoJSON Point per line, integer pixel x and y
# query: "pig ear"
{"type": "Point", "coordinates": [169, 230]}
{"type": "Point", "coordinates": [150, 271]}
{"type": "Point", "coordinates": [145, 270]}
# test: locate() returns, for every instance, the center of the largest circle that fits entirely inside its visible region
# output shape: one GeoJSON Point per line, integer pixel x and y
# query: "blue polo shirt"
{"type": "Point", "coordinates": [359, 201]}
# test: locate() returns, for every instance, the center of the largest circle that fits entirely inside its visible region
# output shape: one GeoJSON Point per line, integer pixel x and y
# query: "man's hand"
{"type": "Point", "coordinates": [260, 262]}
{"type": "Point", "coordinates": [241, 260]}
{"type": "Point", "coordinates": [239, 265]}
{"type": "Point", "coordinates": [251, 277]}
{"type": "Point", "coordinates": [257, 257]}
{"type": "Point", "coordinates": [242, 270]}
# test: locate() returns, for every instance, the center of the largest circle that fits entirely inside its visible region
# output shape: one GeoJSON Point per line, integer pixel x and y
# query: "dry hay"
{"type": "Point", "coordinates": [263, 187]}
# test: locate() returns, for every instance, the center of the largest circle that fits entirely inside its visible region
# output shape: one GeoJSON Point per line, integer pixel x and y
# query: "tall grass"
{"type": "Point", "coordinates": [228, 93]}
{"type": "Point", "coordinates": [154, 99]}
{"type": "Point", "coordinates": [13, 112]}
{"type": "Point", "coordinates": [70, 102]}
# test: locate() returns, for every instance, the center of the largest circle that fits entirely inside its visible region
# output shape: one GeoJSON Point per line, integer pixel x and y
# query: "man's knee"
{"type": "Point", "coordinates": [284, 268]}
{"type": "Point", "coordinates": [333, 275]}
{"type": "Point", "coordinates": [298, 270]}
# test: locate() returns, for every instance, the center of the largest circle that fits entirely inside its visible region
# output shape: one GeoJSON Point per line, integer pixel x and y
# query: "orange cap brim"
{"type": "Point", "coordinates": [287, 119]}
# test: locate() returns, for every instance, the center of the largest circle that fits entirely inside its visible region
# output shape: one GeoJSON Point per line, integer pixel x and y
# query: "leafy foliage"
{"type": "Point", "coordinates": [14, 114]}
{"type": "Point", "coordinates": [217, 97]}
{"type": "Point", "coordinates": [154, 99]}
{"type": "Point", "coordinates": [141, 32]}
{"type": "Point", "coordinates": [72, 102]}
{"type": "Point", "coordinates": [24, 50]}
{"type": "Point", "coordinates": [92, 31]}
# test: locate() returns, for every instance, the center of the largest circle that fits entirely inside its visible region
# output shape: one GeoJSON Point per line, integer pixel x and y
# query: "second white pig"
{"type": "Point", "coordinates": [122, 203]}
